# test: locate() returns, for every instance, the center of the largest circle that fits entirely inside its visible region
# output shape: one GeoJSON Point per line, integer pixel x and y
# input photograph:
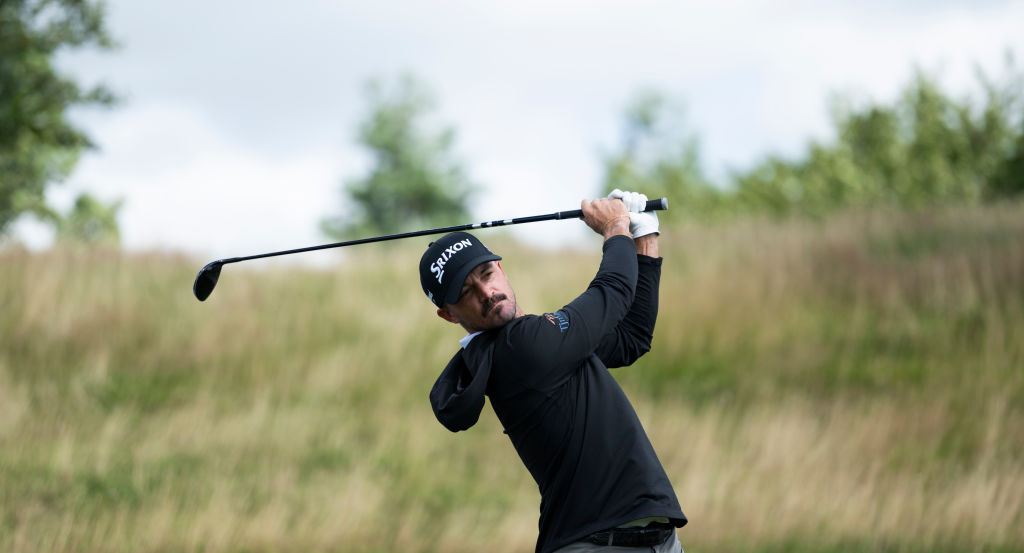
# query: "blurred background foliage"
{"type": "Point", "coordinates": [926, 148]}
{"type": "Point", "coordinates": [415, 180]}
{"type": "Point", "coordinates": [90, 221]}
{"type": "Point", "coordinates": [838, 364]}
{"type": "Point", "coordinates": [658, 157]}
{"type": "Point", "coordinates": [39, 145]}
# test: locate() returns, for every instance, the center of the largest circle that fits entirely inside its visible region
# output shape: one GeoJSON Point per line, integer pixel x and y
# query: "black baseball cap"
{"type": "Point", "coordinates": [446, 264]}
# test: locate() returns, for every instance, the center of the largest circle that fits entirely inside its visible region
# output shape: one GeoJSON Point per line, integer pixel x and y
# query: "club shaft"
{"type": "Point", "coordinates": [657, 204]}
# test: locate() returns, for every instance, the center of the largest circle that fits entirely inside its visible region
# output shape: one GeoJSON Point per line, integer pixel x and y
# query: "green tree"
{"type": "Point", "coordinates": [415, 180]}
{"type": "Point", "coordinates": [1006, 112]}
{"type": "Point", "coordinates": [1009, 176]}
{"type": "Point", "coordinates": [660, 159]}
{"type": "Point", "coordinates": [90, 222]}
{"type": "Point", "coordinates": [927, 147]}
{"type": "Point", "coordinates": [39, 146]}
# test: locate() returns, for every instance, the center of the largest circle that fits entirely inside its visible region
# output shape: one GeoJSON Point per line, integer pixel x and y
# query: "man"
{"type": "Point", "coordinates": [600, 481]}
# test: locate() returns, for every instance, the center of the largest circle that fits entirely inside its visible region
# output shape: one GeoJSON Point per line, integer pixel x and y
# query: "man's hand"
{"type": "Point", "coordinates": [606, 217]}
{"type": "Point", "coordinates": [641, 223]}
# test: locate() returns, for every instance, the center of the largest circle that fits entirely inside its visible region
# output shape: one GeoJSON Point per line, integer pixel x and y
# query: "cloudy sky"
{"type": "Point", "coordinates": [238, 120]}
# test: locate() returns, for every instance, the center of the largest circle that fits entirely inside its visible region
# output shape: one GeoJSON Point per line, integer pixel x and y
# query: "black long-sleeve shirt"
{"type": "Point", "coordinates": [566, 416]}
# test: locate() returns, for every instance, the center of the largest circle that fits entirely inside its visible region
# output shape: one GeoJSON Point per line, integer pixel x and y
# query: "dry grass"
{"type": "Point", "coordinates": [839, 473]}
{"type": "Point", "coordinates": [853, 384]}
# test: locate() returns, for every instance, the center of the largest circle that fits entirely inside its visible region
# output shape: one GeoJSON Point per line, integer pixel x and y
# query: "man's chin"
{"type": "Point", "coordinates": [500, 314]}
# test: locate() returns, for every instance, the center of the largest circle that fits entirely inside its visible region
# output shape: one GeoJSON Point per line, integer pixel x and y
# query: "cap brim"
{"type": "Point", "coordinates": [451, 295]}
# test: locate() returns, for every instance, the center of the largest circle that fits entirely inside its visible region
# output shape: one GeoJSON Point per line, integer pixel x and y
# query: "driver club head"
{"type": "Point", "coordinates": [206, 280]}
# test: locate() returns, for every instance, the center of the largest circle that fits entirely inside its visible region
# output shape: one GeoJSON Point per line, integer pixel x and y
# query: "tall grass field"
{"type": "Point", "coordinates": [853, 384]}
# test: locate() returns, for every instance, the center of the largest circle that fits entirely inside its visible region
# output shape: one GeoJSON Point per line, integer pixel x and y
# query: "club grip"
{"type": "Point", "coordinates": [659, 204]}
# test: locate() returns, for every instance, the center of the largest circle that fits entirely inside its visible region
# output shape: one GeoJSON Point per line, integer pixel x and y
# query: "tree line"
{"type": "Point", "coordinates": [926, 147]}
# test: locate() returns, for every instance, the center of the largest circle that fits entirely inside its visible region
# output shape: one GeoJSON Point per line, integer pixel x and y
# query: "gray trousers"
{"type": "Point", "coordinates": [671, 545]}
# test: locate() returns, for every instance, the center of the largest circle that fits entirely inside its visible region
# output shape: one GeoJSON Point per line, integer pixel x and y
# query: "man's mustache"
{"type": "Point", "coordinates": [489, 304]}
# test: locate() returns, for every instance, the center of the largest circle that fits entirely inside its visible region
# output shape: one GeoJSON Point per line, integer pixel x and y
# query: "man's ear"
{"type": "Point", "coordinates": [444, 314]}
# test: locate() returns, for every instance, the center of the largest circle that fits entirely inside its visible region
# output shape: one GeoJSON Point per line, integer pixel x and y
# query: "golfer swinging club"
{"type": "Point", "coordinates": [601, 483]}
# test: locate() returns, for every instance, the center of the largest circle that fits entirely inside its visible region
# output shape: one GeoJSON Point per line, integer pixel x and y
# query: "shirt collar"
{"type": "Point", "coordinates": [468, 338]}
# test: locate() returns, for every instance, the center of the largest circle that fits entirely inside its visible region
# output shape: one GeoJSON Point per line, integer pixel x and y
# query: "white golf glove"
{"type": "Point", "coordinates": [641, 223]}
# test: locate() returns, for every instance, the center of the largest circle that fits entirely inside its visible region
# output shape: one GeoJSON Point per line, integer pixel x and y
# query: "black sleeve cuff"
{"type": "Point", "coordinates": [647, 260]}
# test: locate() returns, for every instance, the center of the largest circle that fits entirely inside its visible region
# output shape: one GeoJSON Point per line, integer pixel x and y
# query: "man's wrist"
{"type": "Point", "coordinates": [647, 245]}
{"type": "Point", "coordinates": [618, 227]}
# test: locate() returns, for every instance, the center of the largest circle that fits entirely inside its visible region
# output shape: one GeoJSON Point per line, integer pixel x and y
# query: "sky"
{"type": "Point", "coordinates": [238, 119]}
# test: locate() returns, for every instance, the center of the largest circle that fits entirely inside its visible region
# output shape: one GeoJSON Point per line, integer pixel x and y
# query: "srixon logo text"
{"type": "Point", "coordinates": [437, 267]}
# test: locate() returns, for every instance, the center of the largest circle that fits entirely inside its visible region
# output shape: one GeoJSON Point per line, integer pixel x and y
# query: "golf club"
{"type": "Point", "coordinates": [206, 280]}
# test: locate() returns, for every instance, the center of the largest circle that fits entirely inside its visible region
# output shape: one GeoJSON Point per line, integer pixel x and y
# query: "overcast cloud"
{"type": "Point", "coordinates": [239, 118]}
